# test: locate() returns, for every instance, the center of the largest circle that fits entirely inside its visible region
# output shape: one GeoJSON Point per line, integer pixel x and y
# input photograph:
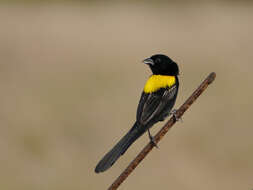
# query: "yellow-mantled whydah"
{"type": "Point", "coordinates": [157, 99]}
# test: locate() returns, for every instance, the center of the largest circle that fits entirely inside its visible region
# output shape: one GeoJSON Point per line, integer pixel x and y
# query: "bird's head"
{"type": "Point", "coordinates": [162, 65]}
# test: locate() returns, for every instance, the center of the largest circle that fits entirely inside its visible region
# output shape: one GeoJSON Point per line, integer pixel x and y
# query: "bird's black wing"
{"type": "Point", "coordinates": [157, 105]}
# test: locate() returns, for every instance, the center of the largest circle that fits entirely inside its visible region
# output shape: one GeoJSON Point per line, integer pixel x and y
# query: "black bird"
{"type": "Point", "coordinates": [157, 99]}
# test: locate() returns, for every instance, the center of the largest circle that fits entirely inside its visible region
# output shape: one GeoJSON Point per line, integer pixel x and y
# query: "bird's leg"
{"type": "Point", "coordinates": [152, 139]}
{"type": "Point", "coordinates": [173, 112]}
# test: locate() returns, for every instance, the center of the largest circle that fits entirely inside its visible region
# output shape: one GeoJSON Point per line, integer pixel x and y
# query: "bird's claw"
{"type": "Point", "coordinates": [152, 140]}
{"type": "Point", "coordinates": [173, 112]}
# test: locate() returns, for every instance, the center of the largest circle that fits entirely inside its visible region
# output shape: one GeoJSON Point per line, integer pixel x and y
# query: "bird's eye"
{"type": "Point", "coordinates": [158, 60]}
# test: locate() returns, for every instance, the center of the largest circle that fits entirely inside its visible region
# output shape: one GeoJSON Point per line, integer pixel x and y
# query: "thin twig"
{"type": "Point", "coordinates": [163, 131]}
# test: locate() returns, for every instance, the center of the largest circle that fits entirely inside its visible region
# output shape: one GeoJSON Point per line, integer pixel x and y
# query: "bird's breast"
{"type": "Point", "coordinates": [155, 82]}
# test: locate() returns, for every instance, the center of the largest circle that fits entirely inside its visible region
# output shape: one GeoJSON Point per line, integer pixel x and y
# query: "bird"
{"type": "Point", "coordinates": [156, 102]}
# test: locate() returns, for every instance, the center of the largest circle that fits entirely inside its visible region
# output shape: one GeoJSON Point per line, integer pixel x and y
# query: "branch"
{"type": "Point", "coordinates": [163, 131]}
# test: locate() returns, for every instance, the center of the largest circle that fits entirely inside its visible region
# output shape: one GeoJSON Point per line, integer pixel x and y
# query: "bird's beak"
{"type": "Point", "coordinates": [148, 61]}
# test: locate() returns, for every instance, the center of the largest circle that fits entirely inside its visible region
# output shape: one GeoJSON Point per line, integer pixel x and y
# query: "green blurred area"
{"type": "Point", "coordinates": [71, 77]}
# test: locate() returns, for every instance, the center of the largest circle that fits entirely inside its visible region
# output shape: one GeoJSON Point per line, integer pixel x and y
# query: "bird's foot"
{"type": "Point", "coordinates": [152, 139]}
{"type": "Point", "coordinates": [173, 112]}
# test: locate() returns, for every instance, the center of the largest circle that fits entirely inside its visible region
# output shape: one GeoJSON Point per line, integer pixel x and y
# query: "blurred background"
{"type": "Point", "coordinates": [71, 77]}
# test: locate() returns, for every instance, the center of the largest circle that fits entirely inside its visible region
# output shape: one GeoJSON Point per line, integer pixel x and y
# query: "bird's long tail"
{"type": "Point", "coordinates": [120, 148]}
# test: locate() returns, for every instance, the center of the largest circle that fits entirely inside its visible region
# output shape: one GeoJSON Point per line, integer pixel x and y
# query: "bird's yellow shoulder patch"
{"type": "Point", "coordinates": [155, 82]}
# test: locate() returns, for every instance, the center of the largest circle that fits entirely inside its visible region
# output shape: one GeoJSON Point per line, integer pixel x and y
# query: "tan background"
{"type": "Point", "coordinates": [71, 77]}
